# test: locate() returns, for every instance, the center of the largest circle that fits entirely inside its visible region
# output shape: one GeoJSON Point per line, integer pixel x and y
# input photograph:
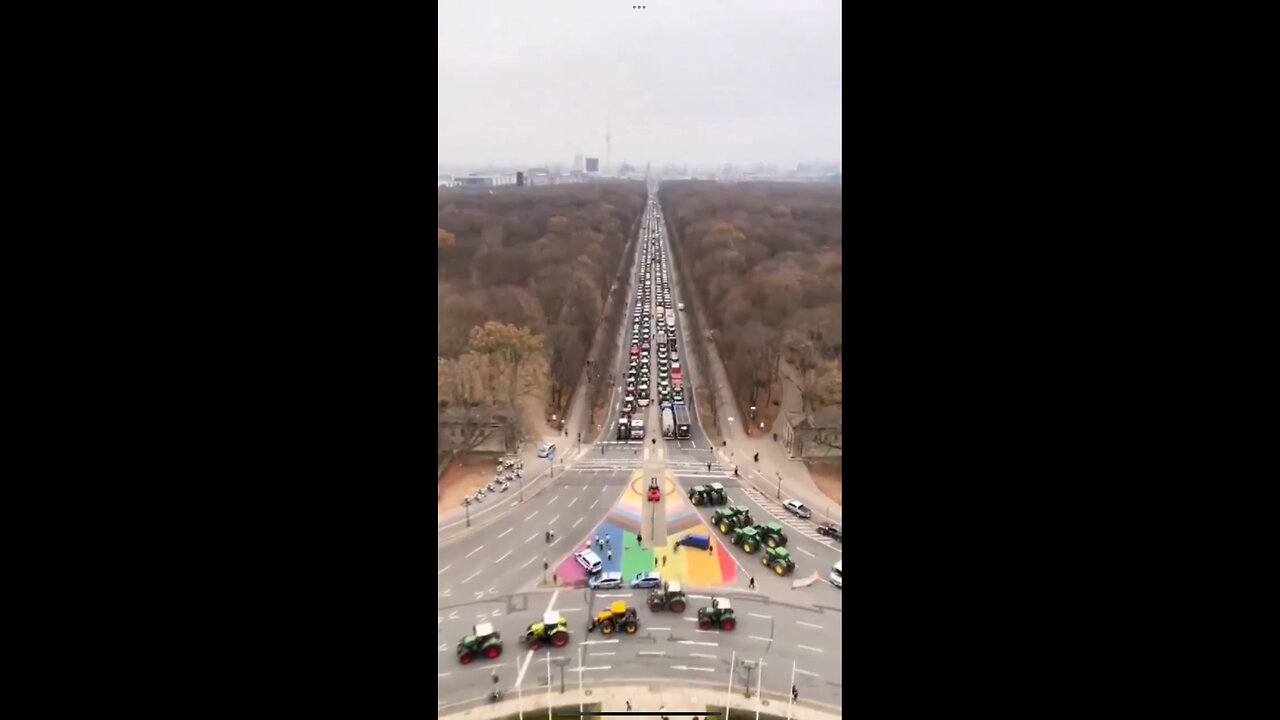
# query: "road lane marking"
{"type": "Point", "coordinates": [589, 669]}
{"type": "Point", "coordinates": [473, 552]}
{"type": "Point", "coordinates": [806, 672]}
{"type": "Point", "coordinates": [441, 571]}
{"type": "Point", "coordinates": [667, 629]}
{"type": "Point", "coordinates": [801, 622]}
{"type": "Point", "coordinates": [766, 617]}
{"type": "Point", "coordinates": [690, 619]}
{"type": "Point", "coordinates": [593, 504]}
{"type": "Point", "coordinates": [504, 557]}
{"type": "Point", "coordinates": [599, 642]}
{"type": "Point", "coordinates": [626, 595]}
{"type": "Point", "coordinates": [702, 655]}
{"type": "Point", "coordinates": [564, 610]}
{"type": "Point", "coordinates": [471, 576]}
{"type": "Point", "coordinates": [571, 502]}
{"type": "Point", "coordinates": [700, 597]}
{"type": "Point", "coordinates": [701, 669]}
{"type": "Point", "coordinates": [708, 632]}
{"type": "Point", "coordinates": [535, 512]}
{"type": "Point", "coordinates": [443, 675]}
{"type": "Point", "coordinates": [554, 519]}
{"type": "Point", "coordinates": [530, 538]}
{"type": "Point", "coordinates": [552, 500]}
{"type": "Point", "coordinates": [806, 647]}
{"type": "Point", "coordinates": [652, 652]}
{"type": "Point", "coordinates": [504, 532]}
{"type": "Point", "coordinates": [695, 642]}
{"type": "Point", "coordinates": [575, 522]}
{"type": "Point", "coordinates": [757, 637]}
{"type": "Point", "coordinates": [527, 563]}
{"type": "Point", "coordinates": [806, 552]}
{"type": "Point", "coordinates": [600, 654]}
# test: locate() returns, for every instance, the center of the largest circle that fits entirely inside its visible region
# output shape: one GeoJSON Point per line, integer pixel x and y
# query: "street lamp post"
{"type": "Point", "coordinates": [753, 419]}
{"type": "Point", "coordinates": [746, 686]}
{"type": "Point", "coordinates": [467, 505]}
{"type": "Point", "coordinates": [790, 698]}
{"type": "Point", "coordinates": [580, 674]}
{"type": "Point", "coordinates": [779, 484]}
{"type": "Point", "coordinates": [759, 682]}
{"type": "Point", "coordinates": [728, 690]}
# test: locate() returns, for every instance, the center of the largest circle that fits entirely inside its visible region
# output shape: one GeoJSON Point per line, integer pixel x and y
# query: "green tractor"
{"type": "Point", "coordinates": [720, 615]}
{"type": "Point", "coordinates": [553, 629]}
{"type": "Point", "coordinates": [747, 538]}
{"type": "Point", "coordinates": [779, 559]}
{"type": "Point", "coordinates": [670, 597]}
{"type": "Point", "coordinates": [734, 516]}
{"type": "Point", "coordinates": [772, 535]}
{"type": "Point", "coordinates": [715, 494]}
{"type": "Point", "coordinates": [483, 640]}
{"type": "Point", "coordinates": [698, 495]}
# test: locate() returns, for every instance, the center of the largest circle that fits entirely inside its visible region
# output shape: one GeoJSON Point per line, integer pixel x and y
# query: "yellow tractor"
{"type": "Point", "coordinates": [618, 615]}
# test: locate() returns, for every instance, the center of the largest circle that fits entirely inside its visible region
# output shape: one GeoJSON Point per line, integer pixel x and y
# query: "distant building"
{"type": "Point", "coordinates": [815, 435]}
{"type": "Point", "coordinates": [474, 180]}
{"type": "Point", "coordinates": [444, 180]}
{"type": "Point", "coordinates": [484, 430]}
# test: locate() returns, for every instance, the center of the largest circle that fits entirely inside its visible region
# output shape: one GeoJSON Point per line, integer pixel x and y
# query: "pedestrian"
{"type": "Point", "coordinates": [775, 437]}
{"type": "Point", "coordinates": [554, 579]}
{"type": "Point", "coordinates": [711, 549]}
{"type": "Point", "coordinates": [751, 585]}
{"type": "Point", "coordinates": [610, 554]}
{"type": "Point", "coordinates": [628, 706]}
{"type": "Point", "coordinates": [606, 540]}
{"type": "Point", "coordinates": [544, 565]}
{"type": "Point", "coordinates": [655, 561]}
{"type": "Point", "coordinates": [639, 539]}
{"type": "Point", "coordinates": [795, 694]}
{"type": "Point", "coordinates": [664, 561]}
{"type": "Point", "coordinates": [708, 467]}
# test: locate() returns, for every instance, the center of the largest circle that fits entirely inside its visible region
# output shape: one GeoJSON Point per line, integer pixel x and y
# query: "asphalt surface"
{"type": "Point", "coordinates": [782, 636]}
{"type": "Point", "coordinates": [493, 572]}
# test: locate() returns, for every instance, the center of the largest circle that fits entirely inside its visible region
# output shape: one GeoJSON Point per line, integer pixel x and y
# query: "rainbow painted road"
{"type": "Point", "coordinates": [622, 551]}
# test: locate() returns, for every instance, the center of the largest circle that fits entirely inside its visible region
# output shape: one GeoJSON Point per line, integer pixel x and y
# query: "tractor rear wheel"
{"type": "Point", "coordinates": [677, 606]}
{"type": "Point", "coordinates": [632, 627]}
{"type": "Point", "coordinates": [724, 528]}
{"type": "Point", "coordinates": [704, 624]}
{"type": "Point", "coordinates": [606, 627]}
{"type": "Point", "coordinates": [728, 624]}
{"type": "Point", "coordinates": [772, 543]}
{"type": "Point", "coordinates": [748, 547]}
{"type": "Point", "coordinates": [493, 652]}
{"type": "Point", "coordinates": [780, 568]}
{"type": "Point", "coordinates": [560, 639]}
{"type": "Point", "coordinates": [466, 657]}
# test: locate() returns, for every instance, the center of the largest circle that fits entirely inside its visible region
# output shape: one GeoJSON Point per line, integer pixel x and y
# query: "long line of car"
{"type": "Point", "coordinates": [652, 334]}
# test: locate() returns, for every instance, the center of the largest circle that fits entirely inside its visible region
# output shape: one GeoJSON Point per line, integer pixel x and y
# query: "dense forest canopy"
{"type": "Point", "coordinates": [523, 275]}
{"type": "Point", "coordinates": [765, 261]}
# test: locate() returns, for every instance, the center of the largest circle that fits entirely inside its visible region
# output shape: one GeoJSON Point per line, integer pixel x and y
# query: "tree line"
{"type": "Point", "coordinates": [765, 262]}
{"type": "Point", "coordinates": [523, 276]}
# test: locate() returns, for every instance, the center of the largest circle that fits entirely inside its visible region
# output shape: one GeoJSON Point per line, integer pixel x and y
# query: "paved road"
{"type": "Point", "coordinates": [507, 555]}
{"type": "Point", "coordinates": [668, 646]}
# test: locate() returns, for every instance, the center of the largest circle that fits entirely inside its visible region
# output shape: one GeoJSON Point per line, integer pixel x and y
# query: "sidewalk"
{"type": "Point", "coordinates": [643, 698]}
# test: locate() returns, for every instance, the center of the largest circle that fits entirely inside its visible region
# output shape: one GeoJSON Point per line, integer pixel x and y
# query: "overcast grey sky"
{"type": "Point", "coordinates": [702, 81]}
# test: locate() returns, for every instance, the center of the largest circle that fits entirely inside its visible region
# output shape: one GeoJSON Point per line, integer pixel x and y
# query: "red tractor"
{"type": "Point", "coordinates": [654, 493]}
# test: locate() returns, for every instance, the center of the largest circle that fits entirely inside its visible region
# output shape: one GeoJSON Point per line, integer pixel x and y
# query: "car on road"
{"type": "Point", "coordinates": [589, 560]}
{"type": "Point", "coordinates": [546, 450]}
{"type": "Point", "coordinates": [832, 531]}
{"type": "Point", "coordinates": [606, 581]}
{"type": "Point", "coordinates": [797, 508]}
{"type": "Point", "coordinates": [647, 580]}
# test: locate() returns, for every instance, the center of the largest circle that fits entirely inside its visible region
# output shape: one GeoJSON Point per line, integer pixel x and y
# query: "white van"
{"type": "Point", "coordinates": [837, 577]}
